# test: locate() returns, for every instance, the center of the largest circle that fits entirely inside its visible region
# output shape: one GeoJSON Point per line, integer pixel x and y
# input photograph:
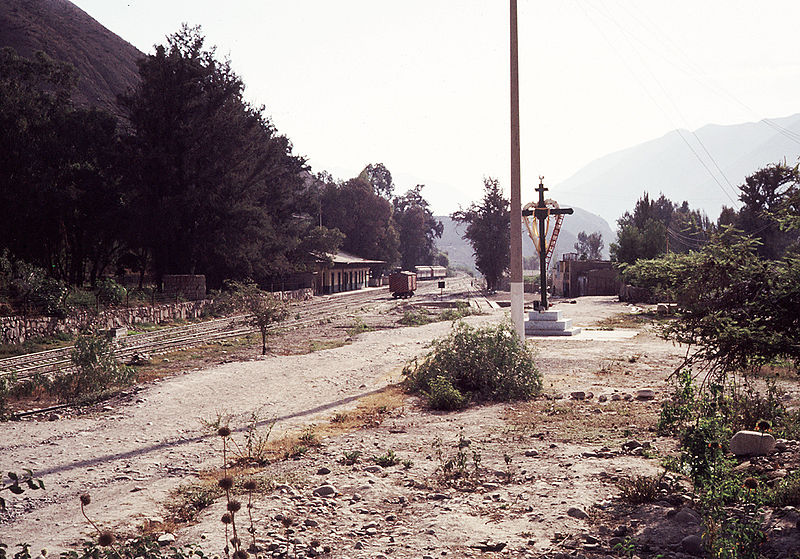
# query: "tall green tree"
{"type": "Point", "coordinates": [488, 231]}
{"type": "Point", "coordinates": [417, 229]}
{"type": "Point", "coordinates": [364, 217]}
{"type": "Point", "coordinates": [765, 195]}
{"type": "Point", "coordinates": [589, 246]}
{"type": "Point", "coordinates": [217, 189]}
{"type": "Point", "coordinates": [60, 194]}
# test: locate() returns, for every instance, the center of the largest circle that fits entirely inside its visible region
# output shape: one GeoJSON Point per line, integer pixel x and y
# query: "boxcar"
{"type": "Point", "coordinates": [402, 284]}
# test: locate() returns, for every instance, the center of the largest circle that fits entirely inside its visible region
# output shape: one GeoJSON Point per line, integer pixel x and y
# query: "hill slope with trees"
{"type": "Point", "coordinates": [105, 62]}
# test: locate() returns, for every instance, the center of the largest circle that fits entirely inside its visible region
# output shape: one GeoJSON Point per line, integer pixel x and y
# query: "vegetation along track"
{"type": "Point", "coordinates": [26, 366]}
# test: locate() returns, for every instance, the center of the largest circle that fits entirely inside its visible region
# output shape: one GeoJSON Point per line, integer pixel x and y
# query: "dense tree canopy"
{"type": "Point", "coordinates": [489, 232]}
{"type": "Point", "coordinates": [417, 229]}
{"type": "Point", "coordinates": [658, 226]}
{"type": "Point", "coordinates": [217, 189]}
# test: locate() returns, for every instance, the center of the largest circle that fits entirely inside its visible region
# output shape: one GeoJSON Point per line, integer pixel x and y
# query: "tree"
{"type": "Point", "coordinates": [656, 226]}
{"type": "Point", "coordinates": [417, 229]}
{"type": "Point", "coordinates": [488, 231]}
{"type": "Point", "coordinates": [263, 309]}
{"type": "Point", "coordinates": [589, 247]}
{"type": "Point", "coordinates": [60, 194]}
{"type": "Point", "coordinates": [379, 177]}
{"type": "Point", "coordinates": [217, 189]}
{"type": "Point", "coordinates": [764, 194]}
{"type": "Point", "coordinates": [364, 217]}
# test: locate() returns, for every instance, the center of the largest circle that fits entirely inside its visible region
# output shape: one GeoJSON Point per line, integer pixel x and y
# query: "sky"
{"type": "Point", "coordinates": [422, 86]}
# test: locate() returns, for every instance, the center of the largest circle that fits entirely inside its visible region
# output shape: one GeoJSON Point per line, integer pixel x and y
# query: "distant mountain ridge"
{"type": "Point", "coordinates": [105, 63]}
{"type": "Point", "coordinates": [609, 186]}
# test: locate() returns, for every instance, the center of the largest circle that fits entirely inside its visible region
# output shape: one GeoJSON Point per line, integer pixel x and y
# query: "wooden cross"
{"type": "Point", "coordinates": [541, 212]}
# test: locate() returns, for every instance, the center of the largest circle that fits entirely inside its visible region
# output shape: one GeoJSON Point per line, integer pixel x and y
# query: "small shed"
{"type": "Point", "coordinates": [573, 277]}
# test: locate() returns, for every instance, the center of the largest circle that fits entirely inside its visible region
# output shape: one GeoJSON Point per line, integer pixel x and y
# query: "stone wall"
{"type": "Point", "coordinates": [17, 329]}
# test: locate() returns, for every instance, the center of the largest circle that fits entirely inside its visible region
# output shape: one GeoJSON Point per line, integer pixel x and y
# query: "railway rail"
{"type": "Point", "coordinates": [23, 367]}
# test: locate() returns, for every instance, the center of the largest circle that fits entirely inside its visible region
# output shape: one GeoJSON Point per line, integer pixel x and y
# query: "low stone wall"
{"type": "Point", "coordinates": [17, 329]}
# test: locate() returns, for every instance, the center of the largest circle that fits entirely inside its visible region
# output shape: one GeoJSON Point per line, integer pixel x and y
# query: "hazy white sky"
{"type": "Point", "coordinates": [422, 85]}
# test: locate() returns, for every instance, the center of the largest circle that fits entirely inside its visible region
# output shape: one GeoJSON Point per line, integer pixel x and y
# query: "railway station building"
{"type": "Point", "coordinates": [345, 272]}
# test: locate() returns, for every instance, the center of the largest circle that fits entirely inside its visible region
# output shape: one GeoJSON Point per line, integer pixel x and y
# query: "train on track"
{"type": "Point", "coordinates": [403, 284]}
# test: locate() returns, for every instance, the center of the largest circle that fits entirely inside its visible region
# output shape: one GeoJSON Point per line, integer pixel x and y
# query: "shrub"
{"type": "Point", "coordinates": [444, 396]}
{"type": "Point", "coordinates": [480, 364]}
{"type": "Point", "coordinates": [641, 489]}
{"type": "Point", "coordinates": [110, 293]}
{"type": "Point", "coordinates": [96, 369]}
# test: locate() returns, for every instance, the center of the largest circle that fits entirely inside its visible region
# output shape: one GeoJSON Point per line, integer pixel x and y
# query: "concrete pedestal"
{"type": "Point", "coordinates": [549, 323]}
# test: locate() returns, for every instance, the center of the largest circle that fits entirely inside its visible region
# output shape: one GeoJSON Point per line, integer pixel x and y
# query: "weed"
{"type": "Point", "coordinates": [442, 395]}
{"type": "Point", "coordinates": [309, 437]}
{"type": "Point", "coordinates": [787, 492]}
{"type": "Point", "coordinates": [96, 369]}
{"type": "Point", "coordinates": [407, 463]}
{"type": "Point", "coordinates": [626, 548]}
{"type": "Point", "coordinates": [386, 460]}
{"type": "Point", "coordinates": [351, 457]}
{"type": "Point", "coordinates": [17, 484]}
{"type": "Point", "coordinates": [640, 489]}
{"type": "Point", "coordinates": [189, 499]}
{"type": "Point", "coordinates": [416, 317]}
{"type": "Point", "coordinates": [456, 465]}
{"type": "Point", "coordinates": [357, 328]}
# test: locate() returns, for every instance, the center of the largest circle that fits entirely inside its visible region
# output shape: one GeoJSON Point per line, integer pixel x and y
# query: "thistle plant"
{"type": "Point", "coordinates": [104, 537]}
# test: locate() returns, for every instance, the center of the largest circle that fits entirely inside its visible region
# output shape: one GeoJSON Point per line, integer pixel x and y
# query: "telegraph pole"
{"type": "Point", "coordinates": [517, 288]}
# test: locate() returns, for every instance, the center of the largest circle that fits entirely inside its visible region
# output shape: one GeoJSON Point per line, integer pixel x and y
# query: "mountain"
{"type": "Point", "coordinates": [105, 63]}
{"type": "Point", "coordinates": [459, 251]}
{"type": "Point", "coordinates": [609, 186]}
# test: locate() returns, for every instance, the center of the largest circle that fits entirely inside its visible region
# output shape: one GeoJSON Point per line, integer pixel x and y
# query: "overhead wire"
{"type": "Point", "coordinates": [630, 38]}
{"type": "Point", "coordinates": [695, 72]}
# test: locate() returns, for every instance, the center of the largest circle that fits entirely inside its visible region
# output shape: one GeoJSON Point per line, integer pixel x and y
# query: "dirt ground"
{"type": "Point", "coordinates": [365, 470]}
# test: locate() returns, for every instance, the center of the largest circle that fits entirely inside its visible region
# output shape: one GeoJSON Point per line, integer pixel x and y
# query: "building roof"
{"type": "Point", "coordinates": [346, 259]}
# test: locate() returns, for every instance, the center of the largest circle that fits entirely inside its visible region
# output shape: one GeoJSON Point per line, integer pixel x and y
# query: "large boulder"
{"type": "Point", "coordinates": [752, 443]}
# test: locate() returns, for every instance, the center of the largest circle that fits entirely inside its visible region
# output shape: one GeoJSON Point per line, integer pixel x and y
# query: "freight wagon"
{"type": "Point", "coordinates": [402, 284]}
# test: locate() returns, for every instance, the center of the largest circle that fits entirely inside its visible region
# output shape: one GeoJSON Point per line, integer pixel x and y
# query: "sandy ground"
{"type": "Point", "coordinates": [537, 459]}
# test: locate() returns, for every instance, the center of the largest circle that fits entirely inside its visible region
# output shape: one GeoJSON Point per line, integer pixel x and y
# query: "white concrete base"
{"type": "Point", "coordinates": [549, 323]}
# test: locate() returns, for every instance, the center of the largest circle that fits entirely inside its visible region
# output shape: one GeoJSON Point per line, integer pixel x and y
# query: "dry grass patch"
{"type": "Point", "coordinates": [631, 320]}
{"type": "Point", "coordinates": [584, 422]}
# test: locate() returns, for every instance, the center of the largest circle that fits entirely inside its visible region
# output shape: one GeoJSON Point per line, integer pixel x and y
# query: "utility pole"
{"type": "Point", "coordinates": [517, 287]}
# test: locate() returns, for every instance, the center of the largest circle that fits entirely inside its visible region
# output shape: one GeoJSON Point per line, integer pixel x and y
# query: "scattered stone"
{"type": "Point", "coordinates": [531, 452]}
{"type": "Point", "coordinates": [687, 516]}
{"type": "Point", "coordinates": [488, 545]}
{"type": "Point", "coordinates": [53, 417]}
{"type": "Point", "coordinates": [579, 395]}
{"type": "Point", "coordinates": [374, 469]}
{"type": "Point", "coordinates": [575, 512]}
{"type": "Point", "coordinates": [616, 397]}
{"type": "Point", "coordinates": [324, 491]}
{"type": "Point", "coordinates": [752, 443]}
{"type": "Point", "coordinates": [602, 398]}
{"type": "Point", "coordinates": [311, 523]}
{"type": "Point", "coordinates": [693, 545]}
{"type": "Point", "coordinates": [620, 531]}
{"type": "Point", "coordinates": [627, 397]}
{"type": "Point", "coordinates": [645, 394]}
{"type": "Point", "coordinates": [631, 445]}
{"type": "Point", "coordinates": [323, 471]}
{"type": "Point", "coordinates": [166, 539]}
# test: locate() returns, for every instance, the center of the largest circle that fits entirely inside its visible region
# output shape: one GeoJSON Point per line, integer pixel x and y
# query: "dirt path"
{"type": "Point", "coordinates": [133, 453]}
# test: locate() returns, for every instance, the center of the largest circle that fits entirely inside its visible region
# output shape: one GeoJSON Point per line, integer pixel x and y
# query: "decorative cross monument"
{"type": "Point", "coordinates": [542, 211]}
{"type": "Point", "coordinates": [545, 322]}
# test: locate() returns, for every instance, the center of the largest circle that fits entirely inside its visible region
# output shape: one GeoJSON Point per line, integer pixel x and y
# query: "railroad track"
{"type": "Point", "coordinates": [23, 367]}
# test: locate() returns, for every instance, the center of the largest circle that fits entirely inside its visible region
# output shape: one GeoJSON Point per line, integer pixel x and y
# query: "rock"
{"type": "Point", "coordinates": [324, 491]}
{"type": "Point", "coordinates": [645, 394]}
{"type": "Point", "coordinates": [752, 443]}
{"type": "Point", "coordinates": [531, 452]}
{"type": "Point", "coordinates": [374, 469]}
{"type": "Point", "coordinates": [693, 545]}
{"type": "Point", "coordinates": [53, 417]}
{"type": "Point", "coordinates": [620, 531]}
{"type": "Point", "coordinates": [575, 512]}
{"type": "Point", "coordinates": [616, 397]}
{"type": "Point", "coordinates": [627, 397]}
{"type": "Point", "coordinates": [631, 445]}
{"type": "Point", "coordinates": [166, 539]}
{"type": "Point", "coordinates": [323, 471]}
{"type": "Point", "coordinates": [687, 516]}
{"type": "Point", "coordinates": [488, 545]}
{"type": "Point", "coordinates": [579, 395]}
{"type": "Point", "coordinates": [602, 398]}
{"type": "Point", "coordinates": [311, 523]}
